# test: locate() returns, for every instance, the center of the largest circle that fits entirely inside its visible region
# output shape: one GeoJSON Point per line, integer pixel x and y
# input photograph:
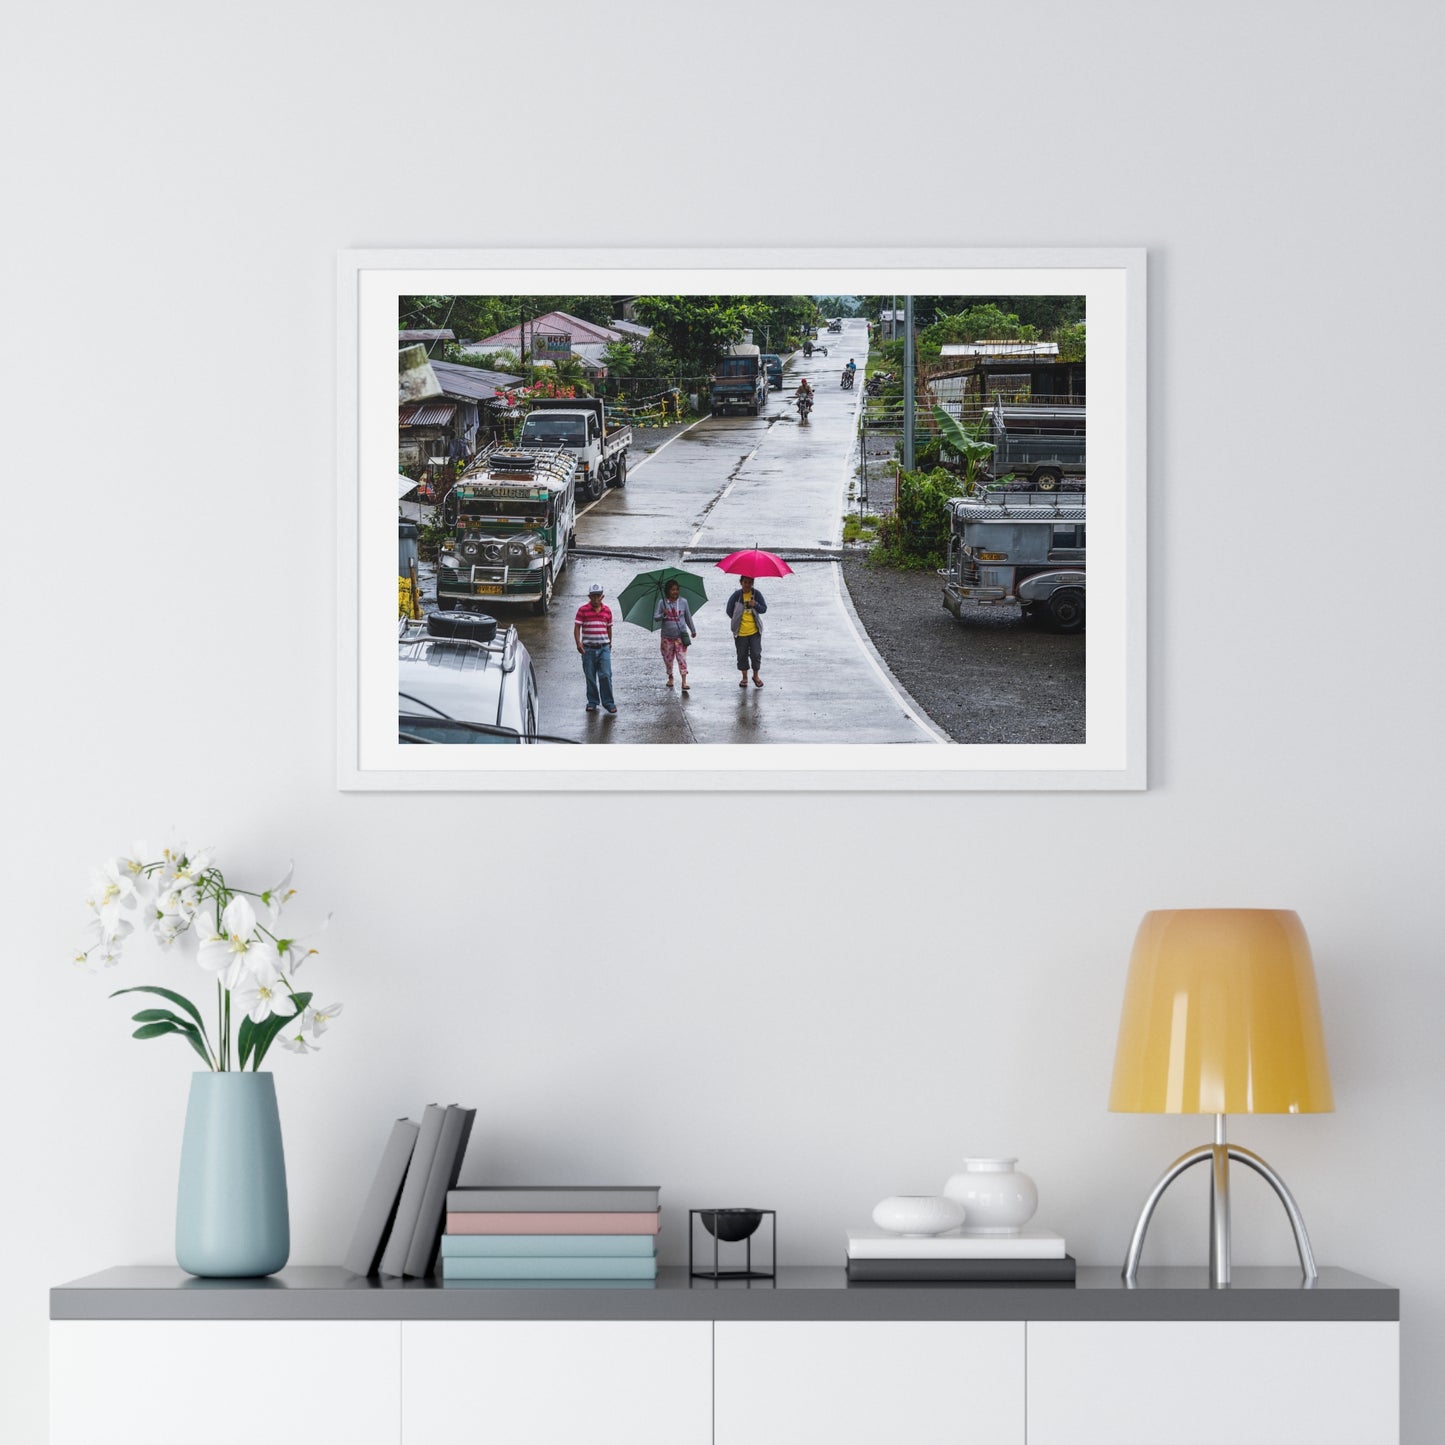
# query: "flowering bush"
{"type": "Point", "coordinates": [253, 961]}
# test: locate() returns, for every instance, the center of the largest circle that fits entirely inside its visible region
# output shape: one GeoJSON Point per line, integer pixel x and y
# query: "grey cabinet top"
{"type": "Point", "coordinates": [799, 1293]}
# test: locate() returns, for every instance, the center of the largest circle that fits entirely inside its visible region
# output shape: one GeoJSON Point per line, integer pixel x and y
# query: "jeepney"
{"type": "Point", "coordinates": [510, 519]}
{"type": "Point", "coordinates": [1018, 547]}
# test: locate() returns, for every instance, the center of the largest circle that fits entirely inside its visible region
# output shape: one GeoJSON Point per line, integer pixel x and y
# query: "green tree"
{"type": "Point", "coordinates": [620, 357]}
{"type": "Point", "coordinates": [1071, 342]}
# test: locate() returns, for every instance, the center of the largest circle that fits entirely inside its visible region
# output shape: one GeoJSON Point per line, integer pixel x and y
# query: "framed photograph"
{"type": "Point", "coordinates": [763, 519]}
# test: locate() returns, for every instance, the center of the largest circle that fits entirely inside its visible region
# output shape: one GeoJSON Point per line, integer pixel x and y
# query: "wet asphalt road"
{"type": "Point", "coordinates": [728, 483]}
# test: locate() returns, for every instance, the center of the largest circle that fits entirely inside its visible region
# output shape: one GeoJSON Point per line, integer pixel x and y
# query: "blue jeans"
{"type": "Point", "coordinates": [597, 669]}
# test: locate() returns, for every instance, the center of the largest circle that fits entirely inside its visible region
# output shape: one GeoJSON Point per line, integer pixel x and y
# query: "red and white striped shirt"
{"type": "Point", "coordinates": [595, 623]}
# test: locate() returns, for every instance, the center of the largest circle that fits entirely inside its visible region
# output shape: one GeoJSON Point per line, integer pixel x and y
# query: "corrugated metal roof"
{"type": "Point", "coordinates": [475, 383]}
{"type": "Point", "coordinates": [631, 328]}
{"type": "Point", "coordinates": [413, 336]}
{"type": "Point", "coordinates": [427, 413]}
{"type": "Point", "coordinates": [1002, 348]}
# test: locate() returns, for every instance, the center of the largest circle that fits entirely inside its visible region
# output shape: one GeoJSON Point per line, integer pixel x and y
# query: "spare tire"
{"type": "Point", "coordinates": [470, 626]}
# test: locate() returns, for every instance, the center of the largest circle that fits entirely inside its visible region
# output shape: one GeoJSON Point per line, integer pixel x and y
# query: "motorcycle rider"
{"type": "Point", "coordinates": [849, 374]}
{"type": "Point", "coordinates": [808, 347]}
{"type": "Point", "coordinates": [805, 397]}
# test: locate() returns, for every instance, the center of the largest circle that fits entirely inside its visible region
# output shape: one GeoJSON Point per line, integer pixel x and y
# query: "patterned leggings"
{"type": "Point", "coordinates": [672, 648]}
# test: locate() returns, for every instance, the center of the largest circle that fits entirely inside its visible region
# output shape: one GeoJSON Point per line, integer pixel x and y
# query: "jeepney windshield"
{"type": "Point", "coordinates": [554, 431]}
{"type": "Point", "coordinates": [485, 508]}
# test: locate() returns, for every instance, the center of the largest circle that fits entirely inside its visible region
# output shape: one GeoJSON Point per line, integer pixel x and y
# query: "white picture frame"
{"type": "Point", "coordinates": [1114, 753]}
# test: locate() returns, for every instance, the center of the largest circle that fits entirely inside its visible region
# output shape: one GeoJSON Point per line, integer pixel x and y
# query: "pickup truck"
{"type": "Point", "coordinates": [774, 366]}
{"type": "Point", "coordinates": [740, 382]}
{"type": "Point", "coordinates": [579, 425]}
{"type": "Point", "coordinates": [1038, 443]}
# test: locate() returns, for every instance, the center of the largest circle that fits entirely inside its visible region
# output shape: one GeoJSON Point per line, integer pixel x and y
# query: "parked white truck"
{"type": "Point", "coordinates": [579, 425]}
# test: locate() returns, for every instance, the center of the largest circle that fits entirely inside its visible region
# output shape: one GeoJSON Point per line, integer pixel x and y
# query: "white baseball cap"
{"type": "Point", "coordinates": [595, 588]}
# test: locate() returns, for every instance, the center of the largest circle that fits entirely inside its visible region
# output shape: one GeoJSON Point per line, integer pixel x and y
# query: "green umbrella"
{"type": "Point", "coordinates": [638, 600]}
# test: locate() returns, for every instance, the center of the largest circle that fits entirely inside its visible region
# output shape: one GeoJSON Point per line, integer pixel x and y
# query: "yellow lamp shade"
{"type": "Point", "coordinates": [1221, 1016]}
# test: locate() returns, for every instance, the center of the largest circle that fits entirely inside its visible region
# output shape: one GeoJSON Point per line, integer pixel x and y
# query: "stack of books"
{"type": "Point", "coordinates": [572, 1232]}
{"type": "Point", "coordinates": [401, 1221]}
{"type": "Point", "coordinates": [1032, 1256]}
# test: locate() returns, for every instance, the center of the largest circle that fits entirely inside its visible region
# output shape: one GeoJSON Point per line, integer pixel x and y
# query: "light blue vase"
{"type": "Point", "coordinates": [231, 1217]}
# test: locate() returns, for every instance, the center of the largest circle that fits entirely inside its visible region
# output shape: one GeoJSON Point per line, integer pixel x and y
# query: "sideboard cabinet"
{"type": "Point", "coordinates": [153, 1357]}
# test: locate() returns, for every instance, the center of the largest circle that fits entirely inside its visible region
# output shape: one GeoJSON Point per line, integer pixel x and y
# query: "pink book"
{"type": "Point", "coordinates": [553, 1223]}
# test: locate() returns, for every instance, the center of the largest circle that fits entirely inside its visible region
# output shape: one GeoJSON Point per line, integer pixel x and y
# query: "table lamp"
{"type": "Point", "coordinates": [1221, 1016]}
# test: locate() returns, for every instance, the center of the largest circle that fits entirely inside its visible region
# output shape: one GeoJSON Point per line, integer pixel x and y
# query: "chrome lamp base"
{"type": "Point", "coordinates": [1219, 1154]}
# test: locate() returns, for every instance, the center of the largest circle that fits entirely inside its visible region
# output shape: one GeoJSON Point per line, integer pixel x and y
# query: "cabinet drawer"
{"type": "Point", "coordinates": [224, 1382]}
{"type": "Point", "coordinates": [1200, 1382]}
{"type": "Point", "coordinates": [545, 1382]}
{"type": "Point", "coordinates": [855, 1383]}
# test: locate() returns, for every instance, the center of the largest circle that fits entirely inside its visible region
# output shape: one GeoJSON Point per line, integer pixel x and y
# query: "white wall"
{"type": "Point", "coordinates": [893, 981]}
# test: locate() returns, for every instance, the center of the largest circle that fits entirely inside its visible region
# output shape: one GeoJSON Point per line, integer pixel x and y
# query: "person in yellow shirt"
{"type": "Point", "coordinates": [745, 613]}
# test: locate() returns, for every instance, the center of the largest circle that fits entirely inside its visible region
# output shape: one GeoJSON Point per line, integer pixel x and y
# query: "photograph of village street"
{"type": "Point", "coordinates": [741, 519]}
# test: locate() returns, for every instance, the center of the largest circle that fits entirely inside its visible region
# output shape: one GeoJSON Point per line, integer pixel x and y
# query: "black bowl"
{"type": "Point", "coordinates": [731, 1225]}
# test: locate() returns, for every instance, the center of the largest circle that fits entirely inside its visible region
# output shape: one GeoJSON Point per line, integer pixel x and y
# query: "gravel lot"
{"type": "Point", "coordinates": [988, 679]}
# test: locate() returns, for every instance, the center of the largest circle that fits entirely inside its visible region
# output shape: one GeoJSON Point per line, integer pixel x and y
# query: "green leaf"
{"type": "Point", "coordinates": [154, 1031]}
{"type": "Point", "coordinates": [246, 1038]}
{"type": "Point", "coordinates": [175, 998]}
{"type": "Point", "coordinates": [265, 1033]}
{"type": "Point", "coordinates": [194, 1040]}
{"type": "Point", "coordinates": [192, 1033]}
{"type": "Point", "coordinates": [957, 438]}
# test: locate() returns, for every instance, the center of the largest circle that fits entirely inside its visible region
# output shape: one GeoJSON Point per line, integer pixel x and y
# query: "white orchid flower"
{"type": "Point", "coordinates": [134, 865]}
{"type": "Point", "coordinates": [293, 1037]}
{"type": "Point", "coordinates": [108, 953]}
{"type": "Point", "coordinates": [229, 949]}
{"type": "Point", "coordinates": [316, 1020]}
{"type": "Point", "coordinates": [279, 894]}
{"type": "Point", "coordinates": [291, 953]}
{"type": "Point", "coordinates": [112, 888]}
{"type": "Point", "coordinates": [261, 1000]}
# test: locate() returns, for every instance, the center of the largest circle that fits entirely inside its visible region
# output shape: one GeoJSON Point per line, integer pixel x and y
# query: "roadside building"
{"type": "Point", "coordinates": [969, 375]}
{"type": "Point", "coordinates": [449, 428]}
{"type": "Point", "coordinates": [557, 334]}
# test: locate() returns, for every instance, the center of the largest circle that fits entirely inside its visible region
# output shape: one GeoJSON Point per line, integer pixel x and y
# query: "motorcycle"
{"type": "Point", "coordinates": [805, 405]}
{"type": "Point", "coordinates": [877, 382]}
{"type": "Point", "coordinates": [846, 380]}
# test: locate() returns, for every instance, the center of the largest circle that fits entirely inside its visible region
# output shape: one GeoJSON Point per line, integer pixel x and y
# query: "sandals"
{"type": "Point", "coordinates": [757, 681]}
{"type": "Point", "coordinates": [744, 682]}
{"type": "Point", "coordinates": [669, 682]}
{"type": "Point", "coordinates": [685, 687]}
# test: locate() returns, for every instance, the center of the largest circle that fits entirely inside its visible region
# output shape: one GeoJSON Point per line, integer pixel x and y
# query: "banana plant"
{"type": "Point", "coordinates": [957, 438]}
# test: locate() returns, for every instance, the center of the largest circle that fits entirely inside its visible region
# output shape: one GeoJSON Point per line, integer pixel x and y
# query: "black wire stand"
{"type": "Point", "coordinates": [720, 1270]}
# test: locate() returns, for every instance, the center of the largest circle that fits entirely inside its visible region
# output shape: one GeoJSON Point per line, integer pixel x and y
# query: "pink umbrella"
{"type": "Point", "coordinates": [753, 563]}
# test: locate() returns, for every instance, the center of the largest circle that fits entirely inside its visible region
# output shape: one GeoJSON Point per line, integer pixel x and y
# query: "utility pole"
{"type": "Point", "coordinates": [907, 383]}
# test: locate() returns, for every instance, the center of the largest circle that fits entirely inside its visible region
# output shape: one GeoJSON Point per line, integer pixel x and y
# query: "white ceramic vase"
{"type": "Point", "coordinates": [996, 1197]}
{"type": "Point", "coordinates": [916, 1216]}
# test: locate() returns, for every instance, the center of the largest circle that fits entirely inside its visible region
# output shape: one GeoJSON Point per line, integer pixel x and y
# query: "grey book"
{"type": "Point", "coordinates": [446, 1165]}
{"type": "Point", "coordinates": [554, 1199]}
{"type": "Point", "coordinates": [963, 1271]}
{"type": "Point", "coordinates": [380, 1208]}
{"type": "Point", "coordinates": [408, 1207]}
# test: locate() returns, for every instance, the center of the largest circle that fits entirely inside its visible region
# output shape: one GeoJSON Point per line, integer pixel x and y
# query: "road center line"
{"type": "Point", "coordinates": [718, 500]}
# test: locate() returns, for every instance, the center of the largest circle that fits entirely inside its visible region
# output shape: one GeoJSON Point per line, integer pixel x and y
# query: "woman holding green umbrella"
{"type": "Point", "coordinates": [665, 600]}
{"type": "Point", "coordinates": [674, 617]}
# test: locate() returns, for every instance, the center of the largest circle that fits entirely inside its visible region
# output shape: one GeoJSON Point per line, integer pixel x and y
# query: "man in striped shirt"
{"type": "Point", "coordinates": [592, 632]}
